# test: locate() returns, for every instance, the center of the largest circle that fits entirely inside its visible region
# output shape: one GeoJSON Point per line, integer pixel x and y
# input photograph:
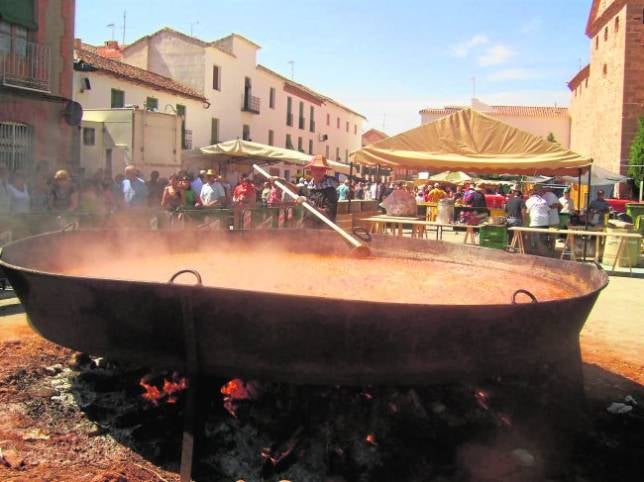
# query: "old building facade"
{"type": "Point", "coordinates": [38, 120]}
{"type": "Point", "coordinates": [608, 93]}
{"type": "Point", "coordinates": [247, 100]}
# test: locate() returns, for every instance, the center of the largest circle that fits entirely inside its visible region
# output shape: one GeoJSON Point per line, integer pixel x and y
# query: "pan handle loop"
{"type": "Point", "coordinates": [193, 272]}
{"type": "Point", "coordinates": [362, 233]}
{"type": "Point", "coordinates": [524, 292]}
{"type": "Point", "coordinates": [70, 227]}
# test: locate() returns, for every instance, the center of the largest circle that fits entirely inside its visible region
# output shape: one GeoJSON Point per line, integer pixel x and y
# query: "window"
{"type": "Point", "coordinates": [310, 146]}
{"type": "Point", "coordinates": [605, 69]}
{"type": "Point", "coordinates": [246, 132]}
{"type": "Point", "coordinates": [287, 174]}
{"type": "Point", "coordinates": [289, 111]}
{"type": "Point", "coordinates": [326, 151]}
{"type": "Point", "coordinates": [20, 41]}
{"type": "Point", "coordinates": [586, 83]}
{"type": "Point", "coordinates": [299, 144]}
{"type": "Point", "coordinates": [616, 24]}
{"type": "Point", "coordinates": [118, 99]}
{"type": "Point", "coordinates": [312, 119]}
{"type": "Point", "coordinates": [181, 112]}
{"type": "Point", "coordinates": [596, 42]}
{"type": "Point", "coordinates": [289, 142]}
{"type": "Point", "coordinates": [271, 98]}
{"type": "Point", "coordinates": [328, 119]}
{"type": "Point", "coordinates": [301, 119]}
{"type": "Point", "coordinates": [89, 136]}
{"type": "Point", "coordinates": [605, 33]}
{"type": "Point", "coordinates": [355, 129]}
{"type": "Point", "coordinates": [216, 77]}
{"type": "Point", "coordinates": [338, 123]}
{"type": "Point", "coordinates": [271, 137]}
{"type": "Point", "coordinates": [346, 155]}
{"type": "Point", "coordinates": [5, 37]}
{"type": "Point", "coordinates": [16, 145]}
{"type": "Point", "coordinates": [337, 153]}
{"type": "Point", "coordinates": [214, 130]}
{"type": "Point", "coordinates": [152, 103]}
{"type": "Point", "coordinates": [347, 129]}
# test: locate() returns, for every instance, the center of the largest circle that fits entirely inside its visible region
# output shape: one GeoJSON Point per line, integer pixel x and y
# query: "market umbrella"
{"type": "Point", "coordinates": [453, 177]}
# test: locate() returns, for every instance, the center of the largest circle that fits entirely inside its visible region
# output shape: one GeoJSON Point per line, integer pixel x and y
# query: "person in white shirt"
{"type": "Point", "coordinates": [553, 204]}
{"type": "Point", "coordinates": [20, 200]}
{"type": "Point", "coordinates": [213, 193]}
{"type": "Point", "coordinates": [567, 207]}
{"type": "Point", "coordinates": [539, 213]}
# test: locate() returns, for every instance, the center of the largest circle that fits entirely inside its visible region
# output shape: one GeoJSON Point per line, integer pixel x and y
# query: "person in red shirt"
{"type": "Point", "coordinates": [245, 194]}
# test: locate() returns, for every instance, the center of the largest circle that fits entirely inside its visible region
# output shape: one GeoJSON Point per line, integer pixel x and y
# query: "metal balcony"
{"type": "Point", "coordinates": [251, 104]}
{"type": "Point", "coordinates": [24, 65]}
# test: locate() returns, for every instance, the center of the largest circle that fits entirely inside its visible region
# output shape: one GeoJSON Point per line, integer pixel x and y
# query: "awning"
{"type": "Point", "coordinates": [19, 12]}
{"type": "Point", "coordinates": [453, 177]}
{"type": "Point", "coordinates": [470, 141]}
{"type": "Point", "coordinates": [240, 150]}
{"type": "Point", "coordinates": [598, 177]}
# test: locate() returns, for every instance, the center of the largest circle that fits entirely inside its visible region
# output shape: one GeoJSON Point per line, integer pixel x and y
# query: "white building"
{"type": "Point", "coordinates": [247, 100]}
{"type": "Point", "coordinates": [537, 120]}
{"type": "Point", "coordinates": [100, 83]}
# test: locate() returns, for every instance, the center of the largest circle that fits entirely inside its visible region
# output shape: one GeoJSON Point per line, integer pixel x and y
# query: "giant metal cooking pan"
{"type": "Point", "coordinates": [297, 338]}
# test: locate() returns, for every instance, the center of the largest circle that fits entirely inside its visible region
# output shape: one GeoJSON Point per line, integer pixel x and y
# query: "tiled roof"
{"type": "Point", "coordinates": [109, 51]}
{"type": "Point", "coordinates": [321, 97]}
{"type": "Point", "coordinates": [579, 76]}
{"type": "Point", "coordinates": [135, 74]}
{"type": "Point", "coordinates": [188, 38]}
{"type": "Point", "coordinates": [511, 110]}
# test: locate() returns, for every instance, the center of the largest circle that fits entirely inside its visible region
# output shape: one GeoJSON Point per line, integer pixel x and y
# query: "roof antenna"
{"type": "Point", "coordinates": [192, 24]}
{"type": "Point", "coordinates": [292, 62]}
{"type": "Point", "coordinates": [112, 26]}
{"type": "Point", "coordinates": [124, 17]}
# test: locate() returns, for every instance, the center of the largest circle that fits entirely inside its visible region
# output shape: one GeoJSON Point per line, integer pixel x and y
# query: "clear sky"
{"type": "Point", "coordinates": [386, 59]}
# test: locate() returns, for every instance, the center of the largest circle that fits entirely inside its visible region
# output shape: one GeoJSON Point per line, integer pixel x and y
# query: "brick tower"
{"type": "Point", "coordinates": [608, 93]}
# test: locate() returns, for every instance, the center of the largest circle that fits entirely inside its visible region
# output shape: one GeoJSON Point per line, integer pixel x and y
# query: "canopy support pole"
{"type": "Point", "coordinates": [587, 210]}
{"type": "Point", "coordinates": [349, 196]}
{"type": "Point", "coordinates": [579, 191]}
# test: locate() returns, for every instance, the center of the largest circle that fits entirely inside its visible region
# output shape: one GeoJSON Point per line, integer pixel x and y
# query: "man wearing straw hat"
{"type": "Point", "coordinates": [320, 192]}
{"type": "Point", "coordinates": [212, 192]}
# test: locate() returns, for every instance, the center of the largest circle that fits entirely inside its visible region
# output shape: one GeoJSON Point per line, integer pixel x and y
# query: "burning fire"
{"type": "Point", "coordinates": [168, 392]}
{"type": "Point", "coordinates": [371, 440]}
{"type": "Point", "coordinates": [237, 390]}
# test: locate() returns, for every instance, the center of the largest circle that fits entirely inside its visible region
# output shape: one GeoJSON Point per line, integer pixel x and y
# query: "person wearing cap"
{"type": "Point", "coordinates": [599, 208]}
{"type": "Point", "coordinates": [436, 194]}
{"type": "Point", "coordinates": [63, 195]}
{"type": "Point", "coordinates": [320, 192]}
{"type": "Point", "coordinates": [212, 193]}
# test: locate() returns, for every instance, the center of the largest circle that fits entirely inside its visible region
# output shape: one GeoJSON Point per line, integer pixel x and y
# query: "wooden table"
{"type": "Point", "coordinates": [517, 240]}
{"type": "Point", "coordinates": [379, 225]}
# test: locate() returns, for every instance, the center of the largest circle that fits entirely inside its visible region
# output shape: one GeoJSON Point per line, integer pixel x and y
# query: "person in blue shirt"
{"type": "Point", "coordinates": [343, 191]}
{"type": "Point", "coordinates": [135, 192]}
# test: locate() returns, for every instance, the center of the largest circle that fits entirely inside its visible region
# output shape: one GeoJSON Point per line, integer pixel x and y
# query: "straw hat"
{"type": "Point", "coordinates": [61, 175]}
{"type": "Point", "coordinates": [318, 161]}
{"type": "Point", "coordinates": [210, 173]}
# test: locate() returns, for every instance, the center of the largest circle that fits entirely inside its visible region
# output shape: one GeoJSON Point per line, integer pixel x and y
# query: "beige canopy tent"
{"type": "Point", "coordinates": [470, 141]}
{"type": "Point", "coordinates": [238, 149]}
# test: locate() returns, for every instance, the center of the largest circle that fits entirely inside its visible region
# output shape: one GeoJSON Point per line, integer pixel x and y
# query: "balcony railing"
{"type": "Point", "coordinates": [24, 64]}
{"type": "Point", "coordinates": [250, 103]}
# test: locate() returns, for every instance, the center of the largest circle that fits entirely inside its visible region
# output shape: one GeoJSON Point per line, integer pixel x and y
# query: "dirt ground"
{"type": "Point", "coordinates": [45, 437]}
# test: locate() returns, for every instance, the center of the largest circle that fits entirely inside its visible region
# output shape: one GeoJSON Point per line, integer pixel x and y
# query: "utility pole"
{"type": "Point", "coordinates": [292, 62]}
{"type": "Point", "coordinates": [111, 25]}
{"type": "Point", "coordinates": [192, 24]}
{"type": "Point", "coordinates": [124, 18]}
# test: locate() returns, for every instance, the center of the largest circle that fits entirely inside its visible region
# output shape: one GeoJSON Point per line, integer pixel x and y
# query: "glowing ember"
{"type": "Point", "coordinates": [168, 392]}
{"type": "Point", "coordinates": [371, 440]}
{"type": "Point", "coordinates": [237, 390]}
{"type": "Point", "coordinates": [376, 279]}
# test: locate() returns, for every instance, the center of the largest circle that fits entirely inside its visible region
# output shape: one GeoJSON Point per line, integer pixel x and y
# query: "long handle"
{"type": "Point", "coordinates": [311, 209]}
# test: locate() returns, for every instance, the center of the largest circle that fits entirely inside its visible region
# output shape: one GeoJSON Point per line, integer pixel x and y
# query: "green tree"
{"type": "Point", "coordinates": [636, 158]}
{"type": "Point", "coordinates": [551, 138]}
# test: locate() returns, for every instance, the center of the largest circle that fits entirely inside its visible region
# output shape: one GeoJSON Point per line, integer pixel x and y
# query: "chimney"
{"type": "Point", "coordinates": [112, 44]}
{"type": "Point", "coordinates": [78, 44]}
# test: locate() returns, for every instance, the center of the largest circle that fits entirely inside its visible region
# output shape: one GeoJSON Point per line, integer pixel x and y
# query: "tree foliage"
{"type": "Point", "coordinates": [636, 158]}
